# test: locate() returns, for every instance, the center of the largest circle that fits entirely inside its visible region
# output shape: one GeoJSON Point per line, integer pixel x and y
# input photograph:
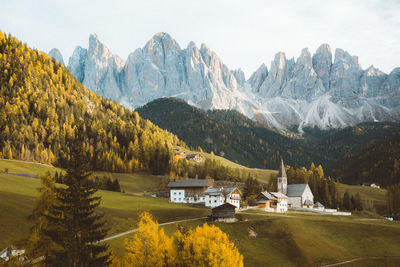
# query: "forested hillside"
{"type": "Point", "coordinates": [42, 107]}
{"type": "Point", "coordinates": [240, 139]}
{"type": "Point", "coordinates": [225, 132]}
{"type": "Point", "coordinates": [379, 163]}
{"type": "Point", "coordinates": [329, 147]}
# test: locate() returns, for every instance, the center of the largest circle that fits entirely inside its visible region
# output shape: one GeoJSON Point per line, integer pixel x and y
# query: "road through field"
{"type": "Point", "coordinates": [161, 224]}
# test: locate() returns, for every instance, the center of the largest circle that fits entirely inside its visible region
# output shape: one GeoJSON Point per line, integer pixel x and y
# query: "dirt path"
{"type": "Point", "coordinates": [357, 259]}
{"type": "Point", "coordinates": [161, 224]}
{"type": "Point", "coordinates": [29, 162]}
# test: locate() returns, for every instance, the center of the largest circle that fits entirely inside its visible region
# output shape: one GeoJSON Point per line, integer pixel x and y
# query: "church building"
{"type": "Point", "coordinates": [299, 195]}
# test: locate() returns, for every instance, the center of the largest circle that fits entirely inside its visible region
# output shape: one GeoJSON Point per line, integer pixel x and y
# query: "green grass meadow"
{"type": "Point", "coordinates": [290, 239]}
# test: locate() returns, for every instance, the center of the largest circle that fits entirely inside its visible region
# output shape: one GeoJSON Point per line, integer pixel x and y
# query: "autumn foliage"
{"type": "Point", "coordinates": [203, 246]}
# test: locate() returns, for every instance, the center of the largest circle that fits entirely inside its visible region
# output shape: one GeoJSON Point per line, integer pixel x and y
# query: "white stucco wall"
{"type": "Point", "coordinates": [282, 205]}
{"type": "Point", "coordinates": [294, 202]}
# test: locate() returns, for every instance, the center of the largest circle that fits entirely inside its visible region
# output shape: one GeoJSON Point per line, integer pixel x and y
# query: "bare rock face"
{"type": "Point", "coordinates": [371, 82]}
{"type": "Point", "coordinates": [56, 54]}
{"type": "Point", "coordinates": [322, 63]}
{"type": "Point", "coordinates": [77, 62]}
{"type": "Point", "coordinates": [277, 76]}
{"type": "Point", "coordinates": [310, 91]}
{"type": "Point", "coordinates": [304, 82]}
{"type": "Point", "coordinates": [102, 70]}
{"type": "Point", "coordinates": [346, 73]}
{"type": "Point", "coordinates": [239, 75]}
{"type": "Point", "coordinates": [258, 78]}
{"type": "Point", "coordinates": [161, 68]}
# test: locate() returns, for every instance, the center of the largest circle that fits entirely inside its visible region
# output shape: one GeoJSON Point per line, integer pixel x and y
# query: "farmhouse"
{"type": "Point", "coordinates": [273, 201]}
{"type": "Point", "coordinates": [189, 190]}
{"type": "Point", "coordinates": [194, 157]}
{"type": "Point", "coordinates": [375, 185]}
{"type": "Point", "coordinates": [180, 154]}
{"type": "Point", "coordinates": [299, 195]}
{"type": "Point", "coordinates": [217, 196]}
{"type": "Point", "coordinates": [10, 252]}
{"type": "Point", "coordinates": [224, 212]}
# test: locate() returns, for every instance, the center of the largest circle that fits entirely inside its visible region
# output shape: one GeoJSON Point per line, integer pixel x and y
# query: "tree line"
{"type": "Point", "coordinates": [209, 168]}
{"type": "Point", "coordinates": [393, 196]}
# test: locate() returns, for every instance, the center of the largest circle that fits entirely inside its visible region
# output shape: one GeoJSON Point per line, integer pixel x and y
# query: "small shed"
{"type": "Point", "coordinates": [224, 212]}
{"type": "Point", "coordinates": [308, 204]}
{"type": "Point", "coordinates": [318, 206]}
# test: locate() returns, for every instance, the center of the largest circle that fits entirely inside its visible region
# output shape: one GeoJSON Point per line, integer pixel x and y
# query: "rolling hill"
{"type": "Point", "coordinates": [379, 163]}
{"type": "Point", "coordinates": [242, 140]}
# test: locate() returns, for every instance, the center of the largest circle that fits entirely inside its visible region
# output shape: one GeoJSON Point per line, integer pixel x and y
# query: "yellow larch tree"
{"type": "Point", "coordinates": [207, 246]}
{"type": "Point", "coordinates": [150, 245]}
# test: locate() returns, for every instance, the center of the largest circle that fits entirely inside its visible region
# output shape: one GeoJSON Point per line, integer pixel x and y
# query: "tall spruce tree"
{"type": "Point", "coordinates": [39, 244]}
{"type": "Point", "coordinates": [79, 228]}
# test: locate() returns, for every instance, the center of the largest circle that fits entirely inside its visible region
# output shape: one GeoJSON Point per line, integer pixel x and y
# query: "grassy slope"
{"type": "Point", "coordinates": [262, 174]}
{"type": "Point", "coordinates": [297, 239]}
{"type": "Point", "coordinates": [17, 199]}
{"type": "Point", "coordinates": [311, 239]}
{"type": "Point", "coordinates": [378, 195]}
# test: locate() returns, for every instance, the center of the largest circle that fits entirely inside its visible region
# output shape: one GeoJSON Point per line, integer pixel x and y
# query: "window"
{"type": "Point", "coordinates": [174, 193]}
{"type": "Point", "coordinates": [174, 198]}
{"type": "Point", "coordinates": [179, 193]}
{"type": "Point", "coordinates": [215, 201]}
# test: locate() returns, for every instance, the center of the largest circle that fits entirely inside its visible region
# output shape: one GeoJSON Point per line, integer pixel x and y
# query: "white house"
{"type": "Point", "coordinates": [189, 190]}
{"type": "Point", "coordinates": [282, 202]}
{"type": "Point", "coordinates": [272, 201]}
{"type": "Point", "coordinates": [299, 195]}
{"type": "Point", "coordinates": [10, 252]}
{"type": "Point", "coordinates": [217, 196]}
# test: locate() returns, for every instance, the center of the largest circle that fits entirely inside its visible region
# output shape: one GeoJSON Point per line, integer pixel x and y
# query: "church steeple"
{"type": "Point", "coordinates": [282, 171]}
{"type": "Point", "coordinates": [282, 179]}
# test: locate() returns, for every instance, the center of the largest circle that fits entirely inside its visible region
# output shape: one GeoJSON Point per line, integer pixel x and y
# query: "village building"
{"type": "Point", "coordinates": [375, 185]}
{"type": "Point", "coordinates": [272, 201]}
{"type": "Point", "coordinates": [299, 195]}
{"type": "Point", "coordinates": [217, 196]}
{"type": "Point", "coordinates": [318, 206]}
{"type": "Point", "coordinates": [194, 157]}
{"type": "Point", "coordinates": [189, 190]}
{"type": "Point", "coordinates": [10, 252]}
{"type": "Point", "coordinates": [180, 154]}
{"type": "Point", "coordinates": [224, 212]}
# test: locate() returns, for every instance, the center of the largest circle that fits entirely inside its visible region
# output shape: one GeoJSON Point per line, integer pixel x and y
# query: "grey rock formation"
{"type": "Point", "coordinates": [345, 75]}
{"type": "Point", "coordinates": [304, 82]}
{"type": "Point", "coordinates": [277, 76]}
{"type": "Point", "coordinates": [322, 63]}
{"type": "Point", "coordinates": [258, 78]}
{"type": "Point", "coordinates": [56, 54]}
{"type": "Point", "coordinates": [309, 91]}
{"type": "Point", "coordinates": [77, 62]}
{"type": "Point", "coordinates": [239, 75]}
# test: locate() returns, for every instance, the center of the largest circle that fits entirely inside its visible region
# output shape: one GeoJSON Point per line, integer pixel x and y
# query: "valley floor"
{"type": "Point", "coordinates": [290, 239]}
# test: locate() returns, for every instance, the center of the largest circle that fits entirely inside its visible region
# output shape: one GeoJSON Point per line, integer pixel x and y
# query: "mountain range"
{"type": "Point", "coordinates": [320, 89]}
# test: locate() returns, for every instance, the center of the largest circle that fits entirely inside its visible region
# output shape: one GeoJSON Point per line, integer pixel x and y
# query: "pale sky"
{"type": "Point", "coordinates": [244, 34]}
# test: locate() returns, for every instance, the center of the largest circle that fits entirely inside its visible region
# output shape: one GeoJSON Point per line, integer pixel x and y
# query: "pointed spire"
{"type": "Point", "coordinates": [282, 172]}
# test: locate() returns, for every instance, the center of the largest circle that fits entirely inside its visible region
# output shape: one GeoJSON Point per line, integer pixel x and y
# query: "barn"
{"type": "Point", "coordinates": [224, 212]}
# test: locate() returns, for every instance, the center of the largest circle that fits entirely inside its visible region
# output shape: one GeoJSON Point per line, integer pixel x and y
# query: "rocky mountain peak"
{"type": "Point", "coordinates": [313, 90]}
{"type": "Point", "coordinates": [56, 54]}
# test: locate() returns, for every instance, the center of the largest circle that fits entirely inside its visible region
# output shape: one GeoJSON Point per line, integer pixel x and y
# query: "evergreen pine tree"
{"type": "Point", "coordinates": [79, 227]}
{"type": "Point", "coordinates": [39, 244]}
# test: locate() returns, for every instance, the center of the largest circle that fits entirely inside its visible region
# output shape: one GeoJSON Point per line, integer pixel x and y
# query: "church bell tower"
{"type": "Point", "coordinates": [282, 179]}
